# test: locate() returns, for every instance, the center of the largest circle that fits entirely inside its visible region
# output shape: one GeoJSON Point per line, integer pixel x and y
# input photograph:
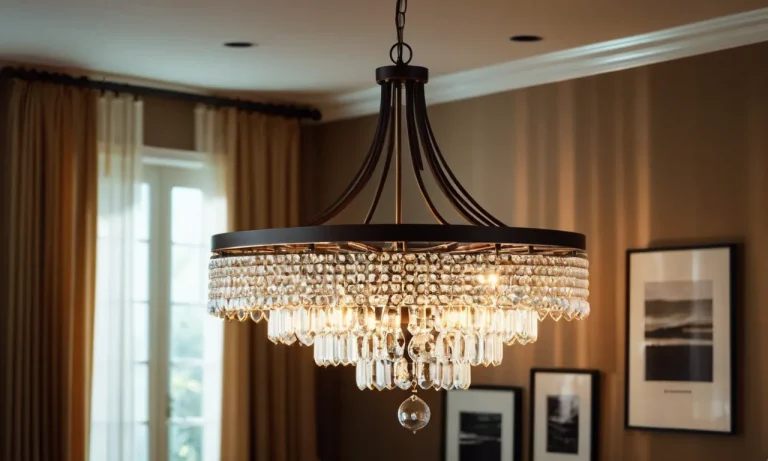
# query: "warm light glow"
{"type": "Point", "coordinates": [461, 308]}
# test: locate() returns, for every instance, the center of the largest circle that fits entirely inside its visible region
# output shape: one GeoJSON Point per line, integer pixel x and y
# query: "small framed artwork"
{"type": "Point", "coordinates": [564, 414]}
{"type": "Point", "coordinates": [680, 350]}
{"type": "Point", "coordinates": [483, 423]}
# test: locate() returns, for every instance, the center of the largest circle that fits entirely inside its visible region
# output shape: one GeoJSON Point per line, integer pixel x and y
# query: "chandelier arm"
{"type": "Point", "coordinates": [385, 171]}
{"type": "Point", "coordinates": [398, 129]}
{"type": "Point", "coordinates": [416, 162]}
{"type": "Point", "coordinates": [444, 166]}
{"type": "Point", "coordinates": [366, 171]}
{"type": "Point", "coordinates": [458, 204]}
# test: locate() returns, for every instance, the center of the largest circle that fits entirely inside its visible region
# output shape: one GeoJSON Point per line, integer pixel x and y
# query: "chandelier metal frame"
{"type": "Point", "coordinates": [402, 82]}
{"type": "Point", "coordinates": [409, 305]}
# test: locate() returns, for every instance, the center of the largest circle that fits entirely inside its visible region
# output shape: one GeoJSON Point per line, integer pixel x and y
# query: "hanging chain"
{"type": "Point", "coordinates": [400, 8]}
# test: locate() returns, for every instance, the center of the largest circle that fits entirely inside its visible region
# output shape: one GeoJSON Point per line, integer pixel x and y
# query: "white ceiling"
{"type": "Point", "coordinates": [310, 48]}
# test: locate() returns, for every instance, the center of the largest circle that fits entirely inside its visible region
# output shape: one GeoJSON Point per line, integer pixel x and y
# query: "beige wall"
{"type": "Point", "coordinates": [666, 154]}
{"type": "Point", "coordinates": [169, 123]}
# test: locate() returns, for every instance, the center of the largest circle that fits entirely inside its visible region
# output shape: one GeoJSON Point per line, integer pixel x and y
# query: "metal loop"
{"type": "Point", "coordinates": [399, 59]}
{"type": "Point", "coordinates": [400, 8]}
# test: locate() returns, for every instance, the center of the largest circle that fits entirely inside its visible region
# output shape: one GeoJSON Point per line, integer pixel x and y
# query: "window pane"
{"type": "Point", "coordinates": [140, 392]}
{"type": "Point", "coordinates": [140, 332]}
{"type": "Point", "coordinates": [187, 332]}
{"type": "Point", "coordinates": [141, 271]}
{"type": "Point", "coordinates": [141, 213]}
{"type": "Point", "coordinates": [186, 391]}
{"type": "Point", "coordinates": [141, 449]}
{"type": "Point", "coordinates": [186, 443]}
{"type": "Point", "coordinates": [102, 227]}
{"type": "Point", "coordinates": [186, 215]}
{"type": "Point", "coordinates": [188, 275]}
{"type": "Point", "coordinates": [99, 447]}
{"type": "Point", "coordinates": [103, 281]}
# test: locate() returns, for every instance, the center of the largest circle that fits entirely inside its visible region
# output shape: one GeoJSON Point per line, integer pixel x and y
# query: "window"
{"type": "Point", "coordinates": [176, 348]}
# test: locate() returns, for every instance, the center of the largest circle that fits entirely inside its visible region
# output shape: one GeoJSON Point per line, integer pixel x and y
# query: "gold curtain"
{"type": "Point", "coordinates": [49, 149]}
{"type": "Point", "coordinates": [269, 406]}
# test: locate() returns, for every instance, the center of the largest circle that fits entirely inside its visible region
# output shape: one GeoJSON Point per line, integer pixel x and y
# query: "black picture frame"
{"type": "Point", "coordinates": [594, 407]}
{"type": "Point", "coordinates": [734, 250]}
{"type": "Point", "coordinates": [517, 432]}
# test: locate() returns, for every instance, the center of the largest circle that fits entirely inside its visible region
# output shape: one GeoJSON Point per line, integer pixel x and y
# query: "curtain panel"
{"type": "Point", "coordinates": [48, 144]}
{"type": "Point", "coordinates": [268, 391]}
{"type": "Point", "coordinates": [113, 422]}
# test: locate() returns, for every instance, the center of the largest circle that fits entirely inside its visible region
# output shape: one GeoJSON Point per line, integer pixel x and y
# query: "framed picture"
{"type": "Point", "coordinates": [680, 351]}
{"type": "Point", "coordinates": [483, 423]}
{"type": "Point", "coordinates": [564, 414]}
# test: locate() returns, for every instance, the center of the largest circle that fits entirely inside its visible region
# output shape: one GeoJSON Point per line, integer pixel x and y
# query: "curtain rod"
{"type": "Point", "coordinates": [284, 110]}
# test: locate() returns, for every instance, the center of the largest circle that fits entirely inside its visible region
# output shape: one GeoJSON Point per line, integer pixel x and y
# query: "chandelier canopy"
{"type": "Point", "coordinates": [409, 305]}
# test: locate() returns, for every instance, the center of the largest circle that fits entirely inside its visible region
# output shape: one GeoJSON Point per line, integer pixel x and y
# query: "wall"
{"type": "Point", "coordinates": [666, 154]}
{"type": "Point", "coordinates": [169, 123]}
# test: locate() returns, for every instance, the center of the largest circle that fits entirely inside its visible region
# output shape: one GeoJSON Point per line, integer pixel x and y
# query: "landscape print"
{"type": "Point", "coordinates": [678, 331]}
{"type": "Point", "coordinates": [479, 436]}
{"type": "Point", "coordinates": [563, 424]}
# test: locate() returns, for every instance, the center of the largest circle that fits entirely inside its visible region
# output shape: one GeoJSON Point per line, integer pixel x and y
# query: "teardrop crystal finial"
{"type": "Point", "coordinates": [413, 413]}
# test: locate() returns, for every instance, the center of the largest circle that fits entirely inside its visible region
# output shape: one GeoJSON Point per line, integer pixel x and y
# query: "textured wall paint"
{"type": "Point", "coordinates": [666, 154]}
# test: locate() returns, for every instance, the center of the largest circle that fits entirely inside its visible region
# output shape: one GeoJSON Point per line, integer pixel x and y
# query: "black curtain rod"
{"type": "Point", "coordinates": [283, 110]}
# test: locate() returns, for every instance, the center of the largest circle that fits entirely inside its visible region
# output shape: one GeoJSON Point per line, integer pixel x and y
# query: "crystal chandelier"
{"type": "Point", "coordinates": [411, 306]}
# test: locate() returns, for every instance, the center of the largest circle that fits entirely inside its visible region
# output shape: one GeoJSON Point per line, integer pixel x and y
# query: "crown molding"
{"type": "Point", "coordinates": [640, 50]}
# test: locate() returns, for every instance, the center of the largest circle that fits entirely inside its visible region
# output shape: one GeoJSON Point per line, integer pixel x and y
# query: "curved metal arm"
{"type": "Point", "coordinates": [385, 171]}
{"type": "Point", "coordinates": [413, 140]}
{"type": "Point", "coordinates": [421, 140]}
{"type": "Point", "coordinates": [366, 171]}
{"type": "Point", "coordinates": [458, 202]}
{"type": "Point", "coordinates": [442, 168]}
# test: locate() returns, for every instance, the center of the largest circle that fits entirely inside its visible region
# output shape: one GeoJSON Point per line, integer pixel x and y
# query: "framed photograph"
{"type": "Point", "coordinates": [680, 351]}
{"type": "Point", "coordinates": [483, 423]}
{"type": "Point", "coordinates": [564, 414]}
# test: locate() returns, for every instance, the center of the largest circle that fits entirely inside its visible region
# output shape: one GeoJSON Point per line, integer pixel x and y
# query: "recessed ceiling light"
{"type": "Point", "coordinates": [240, 44]}
{"type": "Point", "coordinates": [525, 38]}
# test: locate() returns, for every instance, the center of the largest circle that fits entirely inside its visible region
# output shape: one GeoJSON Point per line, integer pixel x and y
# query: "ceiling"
{"type": "Point", "coordinates": [310, 48]}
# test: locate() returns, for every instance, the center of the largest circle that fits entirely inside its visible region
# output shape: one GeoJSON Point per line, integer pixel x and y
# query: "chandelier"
{"type": "Point", "coordinates": [411, 306]}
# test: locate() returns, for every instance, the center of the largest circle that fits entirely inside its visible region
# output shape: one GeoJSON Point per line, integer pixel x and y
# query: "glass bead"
{"type": "Point", "coordinates": [395, 345]}
{"type": "Point", "coordinates": [498, 350]}
{"type": "Point", "coordinates": [426, 374]}
{"type": "Point", "coordinates": [288, 340]}
{"type": "Point", "coordinates": [352, 351]}
{"type": "Point", "coordinates": [306, 339]}
{"type": "Point", "coordinates": [421, 348]}
{"type": "Point", "coordinates": [462, 375]}
{"type": "Point", "coordinates": [413, 413]}
{"type": "Point", "coordinates": [330, 350]}
{"type": "Point", "coordinates": [365, 346]}
{"type": "Point", "coordinates": [444, 346]}
{"type": "Point", "coordinates": [402, 376]}
{"type": "Point", "coordinates": [341, 355]}
{"type": "Point", "coordinates": [360, 375]}
{"type": "Point", "coordinates": [489, 351]}
{"type": "Point", "coordinates": [478, 344]}
{"type": "Point", "coordinates": [446, 375]}
{"type": "Point", "coordinates": [257, 315]}
{"type": "Point", "coordinates": [319, 350]}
